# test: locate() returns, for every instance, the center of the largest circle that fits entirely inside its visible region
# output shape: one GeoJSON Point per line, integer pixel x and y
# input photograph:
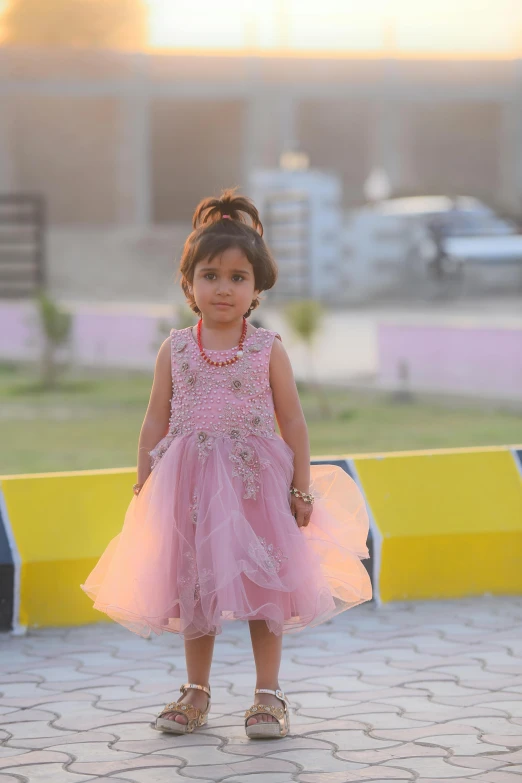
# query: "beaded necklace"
{"type": "Point", "coordinates": [239, 352]}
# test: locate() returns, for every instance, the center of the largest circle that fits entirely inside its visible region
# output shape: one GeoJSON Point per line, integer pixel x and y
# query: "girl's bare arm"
{"type": "Point", "coordinates": [289, 414]}
{"type": "Point", "coordinates": [156, 422]}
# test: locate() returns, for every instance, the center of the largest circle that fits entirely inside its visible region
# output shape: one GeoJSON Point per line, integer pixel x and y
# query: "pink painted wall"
{"type": "Point", "coordinates": [18, 330]}
{"type": "Point", "coordinates": [487, 361]}
{"type": "Point", "coordinates": [100, 338]}
{"type": "Point", "coordinates": [125, 340]}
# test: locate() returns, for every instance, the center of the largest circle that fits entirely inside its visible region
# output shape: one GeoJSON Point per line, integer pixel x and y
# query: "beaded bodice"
{"type": "Point", "coordinates": [233, 401]}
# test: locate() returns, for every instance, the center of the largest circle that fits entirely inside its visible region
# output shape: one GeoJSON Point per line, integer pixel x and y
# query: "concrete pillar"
{"type": "Point", "coordinates": [270, 127]}
{"type": "Point", "coordinates": [134, 163]}
{"type": "Point", "coordinates": [7, 173]}
{"type": "Point", "coordinates": [390, 135]}
{"type": "Point", "coordinates": [7, 183]}
{"type": "Point", "coordinates": [510, 145]}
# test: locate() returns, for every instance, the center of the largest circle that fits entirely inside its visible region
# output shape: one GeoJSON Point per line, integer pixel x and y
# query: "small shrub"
{"type": "Point", "coordinates": [56, 326]}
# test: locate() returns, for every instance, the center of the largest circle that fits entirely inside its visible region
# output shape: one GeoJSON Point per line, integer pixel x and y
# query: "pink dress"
{"type": "Point", "coordinates": [211, 536]}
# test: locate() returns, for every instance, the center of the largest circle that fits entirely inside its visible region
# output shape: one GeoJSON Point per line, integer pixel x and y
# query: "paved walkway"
{"type": "Point", "coordinates": [420, 691]}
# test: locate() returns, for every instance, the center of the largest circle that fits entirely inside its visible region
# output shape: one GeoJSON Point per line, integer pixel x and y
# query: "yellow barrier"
{"type": "Point", "coordinates": [445, 523]}
{"type": "Point", "coordinates": [450, 522]}
{"type": "Point", "coordinates": [61, 522]}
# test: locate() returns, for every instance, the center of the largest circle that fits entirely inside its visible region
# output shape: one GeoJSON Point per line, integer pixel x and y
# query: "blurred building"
{"type": "Point", "coordinates": [302, 218]}
{"type": "Point", "coordinates": [116, 138]}
{"type": "Point", "coordinates": [120, 142]}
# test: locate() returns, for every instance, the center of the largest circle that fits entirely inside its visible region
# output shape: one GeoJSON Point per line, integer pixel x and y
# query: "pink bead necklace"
{"type": "Point", "coordinates": [239, 352]}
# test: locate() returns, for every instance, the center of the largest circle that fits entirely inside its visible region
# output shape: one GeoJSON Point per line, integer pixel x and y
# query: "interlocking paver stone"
{"type": "Point", "coordinates": [95, 751]}
{"type": "Point", "coordinates": [198, 754]}
{"type": "Point", "coordinates": [511, 704]}
{"type": "Point", "coordinates": [368, 773]}
{"type": "Point", "coordinates": [412, 691]}
{"type": "Point", "coordinates": [496, 725]}
{"type": "Point", "coordinates": [506, 740]}
{"type": "Point", "coordinates": [247, 748]}
{"type": "Point", "coordinates": [156, 775]}
{"type": "Point", "coordinates": [39, 743]}
{"type": "Point", "coordinates": [267, 777]}
{"type": "Point", "coordinates": [500, 776]}
{"type": "Point", "coordinates": [46, 698]}
{"type": "Point", "coordinates": [165, 743]}
{"type": "Point", "coordinates": [511, 756]}
{"type": "Point", "coordinates": [108, 767]}
{"type": "Point", "coordinates": [461, 744]}
{"type": "Point", "coordinates": [36, 729]}
{"type": "Point", "coordinates": [6, 752]}
{"type": "Point", "coordinates": [400, 751]}
{"type": "Point", "coordinates": [34, 757]}
{"type": "Point", "coordinates": [317, 760]}
{"type": "Point", "coordinates": [47, 773]}
{"type": "Point", "coordinates": [355, 739]}
{"type": "Point", "coordinates": [480, 697]}
{"type": "Point", "coordinates": [364, 713]}
{"type": "Point", "coordinates": [432, 767]}
{"type": "Point", "coordinates": [474, 762]}
{"type": "Point", "coordinates": [321, 699]}
{"type": "Point", "coordinates": [100, 719]}
{"type": "Point", "coordinates": [373, 694]}
{"type": "Point", "coordinates": [112, 779]}
{"type": "Point", "coordinates": [244, 767]}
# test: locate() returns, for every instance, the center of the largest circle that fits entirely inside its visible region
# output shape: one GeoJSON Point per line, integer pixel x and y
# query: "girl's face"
{"type": "Point", "coordinates": [224, 287]}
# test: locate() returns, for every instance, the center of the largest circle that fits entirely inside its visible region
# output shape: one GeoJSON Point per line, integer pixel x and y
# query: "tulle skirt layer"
{"type": "Point", "coordinates": [205, 542]}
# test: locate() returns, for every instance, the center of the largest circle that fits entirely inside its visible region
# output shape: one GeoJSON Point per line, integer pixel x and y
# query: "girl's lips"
{"type": "Point", "coordinates": [222, 304]}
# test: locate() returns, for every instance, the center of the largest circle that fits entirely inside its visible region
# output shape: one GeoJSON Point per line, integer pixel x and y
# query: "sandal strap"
{"type": "Point", "coordinates": [279, 713]}
{"type": "Point", "coordinates": [193, 714]}
{"type": "Point", "coordinates": [188, 685]}
{"type": "Point", "coordinates": [278, 693]}
{"type": "Point", "coordinates": [185, 709]}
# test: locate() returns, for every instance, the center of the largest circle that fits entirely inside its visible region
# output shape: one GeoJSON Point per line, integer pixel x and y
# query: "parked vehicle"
{"type": "Point", "coordinates": [459, 230]}
{"type": "Point", "coordinates": [459, 216]}
{"type": "Point", "coordinates": [397, 245]}
{"type": "Point", "coordinates": [461, 233]}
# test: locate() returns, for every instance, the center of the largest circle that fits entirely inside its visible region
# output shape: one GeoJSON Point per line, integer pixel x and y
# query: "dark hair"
{"type": "Point", "coordinates": [222, 223]}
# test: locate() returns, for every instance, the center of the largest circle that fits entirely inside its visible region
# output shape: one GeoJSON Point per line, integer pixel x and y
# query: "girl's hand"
{"type": "Point", "coordinates": [301, 510]}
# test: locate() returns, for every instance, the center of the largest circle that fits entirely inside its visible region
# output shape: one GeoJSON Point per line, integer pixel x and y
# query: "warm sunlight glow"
{"type": "Point", "coordinates": [444, 26]}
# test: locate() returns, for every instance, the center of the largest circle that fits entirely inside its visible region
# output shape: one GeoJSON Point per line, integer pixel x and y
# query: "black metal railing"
{"type": "Point", "coordinates": [22, 245]}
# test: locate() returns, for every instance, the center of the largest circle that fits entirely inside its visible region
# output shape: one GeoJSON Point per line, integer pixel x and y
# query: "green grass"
{"type": "Point", "coordinates": [93, 421]}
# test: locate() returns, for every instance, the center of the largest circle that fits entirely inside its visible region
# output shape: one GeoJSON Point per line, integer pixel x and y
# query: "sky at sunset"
{"type": "Point", "coordinates": [456, 27]}
{"type": "Point", "coordinates": [462, 26]}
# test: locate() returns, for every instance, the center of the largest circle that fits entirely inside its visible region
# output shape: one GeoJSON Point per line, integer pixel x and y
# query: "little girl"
{"type": "Point", "coordinates": [229, 520]}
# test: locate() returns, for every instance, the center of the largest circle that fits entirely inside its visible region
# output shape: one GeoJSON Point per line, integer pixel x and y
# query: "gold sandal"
{"type": "Point", "coordinates": [195, 716]}
{"type": "Point", "coordinates": [269, 728]}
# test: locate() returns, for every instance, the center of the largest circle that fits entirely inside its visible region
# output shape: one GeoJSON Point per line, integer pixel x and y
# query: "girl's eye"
{"type": "Point", "coordinates": [212, 274]}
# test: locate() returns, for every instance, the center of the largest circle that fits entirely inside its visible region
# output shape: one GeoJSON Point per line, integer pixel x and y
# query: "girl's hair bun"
{"type": "Point", "coordinates": [229, 206]}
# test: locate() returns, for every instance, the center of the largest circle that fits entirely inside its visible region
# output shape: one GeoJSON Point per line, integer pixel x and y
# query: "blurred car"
{"type": "Point", "coordinates": [455, 231]}
{"type": "Point", "coordinates": [459, 216]}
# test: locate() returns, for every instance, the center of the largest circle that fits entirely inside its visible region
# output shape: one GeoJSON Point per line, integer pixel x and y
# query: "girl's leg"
{"type": "Point", "coordinates": [198, 655]}
{"type": "Point", "coordinates": [267, 649]}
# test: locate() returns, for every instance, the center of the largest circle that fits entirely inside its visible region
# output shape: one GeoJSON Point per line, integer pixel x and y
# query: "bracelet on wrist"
{"type": "Point", "coordinates": [308, 498]}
